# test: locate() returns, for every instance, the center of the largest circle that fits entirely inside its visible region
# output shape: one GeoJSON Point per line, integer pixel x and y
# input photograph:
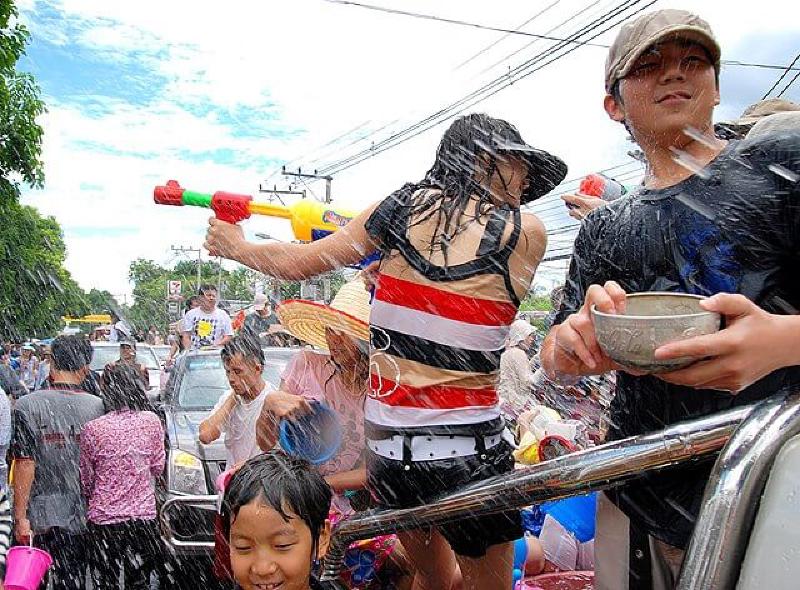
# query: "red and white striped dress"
{"type": "Point", "coordinates": [438, 332]}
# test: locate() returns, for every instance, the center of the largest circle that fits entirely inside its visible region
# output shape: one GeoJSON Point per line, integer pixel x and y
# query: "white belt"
{"type": "Point", "coordinates": [432, 448]}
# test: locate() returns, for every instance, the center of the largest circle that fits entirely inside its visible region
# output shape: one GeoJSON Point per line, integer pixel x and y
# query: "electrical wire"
{"type": "Point", "coordinates": [502, 38]}
{"type": "Point", "coordinates": [455, 21]}
{"type": "Point", "coordinates": [487, 90]}
{"type": "Point", "coordinates": [792, 81]}
{"type": "Point", "coordinates": [779, 80]}
{"type": "Point", "coordinates": [488, 86]}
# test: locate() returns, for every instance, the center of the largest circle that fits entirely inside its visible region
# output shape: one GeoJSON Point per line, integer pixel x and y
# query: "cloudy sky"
{"type": "Point", "coordinates": [219, 95]}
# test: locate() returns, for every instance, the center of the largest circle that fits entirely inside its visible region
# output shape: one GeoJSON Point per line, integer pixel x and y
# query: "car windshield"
{"type": "Point", "coordinates": [108, 354]}
{"type": "Point", "coordinates": [204, 380]}
{"type": "Point", "coordinates": [161, 352]}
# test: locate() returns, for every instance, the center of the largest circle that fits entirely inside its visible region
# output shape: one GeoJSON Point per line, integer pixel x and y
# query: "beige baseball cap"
{"type": "Point", "coordinates": [636, 37]}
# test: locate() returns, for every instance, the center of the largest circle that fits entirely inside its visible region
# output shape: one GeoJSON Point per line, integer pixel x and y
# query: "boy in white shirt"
{"type": "Point", "coordinates": [206, 325]}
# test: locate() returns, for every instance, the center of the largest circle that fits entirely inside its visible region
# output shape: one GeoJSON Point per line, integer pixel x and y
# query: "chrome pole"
{"type": "Point", "coordinates": [730, 503]}
{"type": "Point", "coordinates": [598, 468]}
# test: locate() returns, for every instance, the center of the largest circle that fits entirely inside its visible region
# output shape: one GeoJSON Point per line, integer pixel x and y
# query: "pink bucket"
{"type": "Point", "coordinates": [26, 567]}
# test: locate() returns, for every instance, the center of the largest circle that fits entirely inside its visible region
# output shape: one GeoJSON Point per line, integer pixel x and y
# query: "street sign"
{"type": "Point", "coordinates": [173, 307]}
{"type": "Point", "coordinates": [174, 290]}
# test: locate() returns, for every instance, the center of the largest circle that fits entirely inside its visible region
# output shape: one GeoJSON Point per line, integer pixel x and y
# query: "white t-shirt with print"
{"type": "Point", "coordinates": [240, 427]}
{"type": "Point", "coordinates": [206, 329]}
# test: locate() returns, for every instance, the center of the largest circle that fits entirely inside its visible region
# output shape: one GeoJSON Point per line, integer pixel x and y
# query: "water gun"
{"type": "Point", "coordinates": [310, 220]}
{"type": "Point", "coordinates": [602, 187]}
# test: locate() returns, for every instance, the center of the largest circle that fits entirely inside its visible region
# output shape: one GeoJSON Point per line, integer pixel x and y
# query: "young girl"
{"type": "Point", "coordinates": [274, 515]}
{"type": "Point", "coordinates": [458, 256]}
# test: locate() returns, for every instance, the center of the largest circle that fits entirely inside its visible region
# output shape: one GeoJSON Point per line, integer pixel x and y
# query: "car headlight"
{"type": "Point", "coordinates": [186, 475]}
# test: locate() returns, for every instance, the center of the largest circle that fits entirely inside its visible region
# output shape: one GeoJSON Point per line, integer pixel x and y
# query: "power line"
{"type": "Point", "coordinates": [500, 40]}
{"type": "Point", "coordinates": [792, 81]}
{"type": "Point", "coordinates": [452, 21]}
{"type": "Point", "coordinates": [783, 75]}
{"type": "Point", "coordinates": [487, 90]}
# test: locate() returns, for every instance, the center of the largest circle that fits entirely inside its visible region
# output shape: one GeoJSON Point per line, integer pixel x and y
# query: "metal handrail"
{"type": "Point", "coordinates": [730, 503]}
{"type": "Point", "coordinates": [207, 502]}
{"type": "Point", "coordinates": [598, 468]}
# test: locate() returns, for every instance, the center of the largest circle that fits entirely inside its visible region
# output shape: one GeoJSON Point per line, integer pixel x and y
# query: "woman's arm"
{"type": "Point", "coordinates": [293, 262]}
{"type": "Point", "coordinates": [355, 479]}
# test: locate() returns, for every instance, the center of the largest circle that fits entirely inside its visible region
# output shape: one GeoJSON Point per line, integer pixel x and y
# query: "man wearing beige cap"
{"type": "Point", "coordinates": [715, 218]}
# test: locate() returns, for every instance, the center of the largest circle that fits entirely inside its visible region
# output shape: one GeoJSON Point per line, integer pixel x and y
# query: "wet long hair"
{"type": "Point", "coordinates": [122, 388]}
{"type": "Point", "coordinates": [452, 182]}
{"type": "Point", "coordinates": [286, 484]}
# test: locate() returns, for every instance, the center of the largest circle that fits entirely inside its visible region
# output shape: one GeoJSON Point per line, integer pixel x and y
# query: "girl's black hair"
{"type": "Point", "coordinates": [286, 484]}
{"type": "Point", "coordinates": [122, 388]}
{"type": "Point", "coordinates": [451, 182]}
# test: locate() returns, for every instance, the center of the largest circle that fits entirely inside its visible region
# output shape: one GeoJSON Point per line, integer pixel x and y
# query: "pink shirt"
{"type": "Point", "coordinates": [311, 375]}
{"type": "Point", "coordinates": [121, 454]}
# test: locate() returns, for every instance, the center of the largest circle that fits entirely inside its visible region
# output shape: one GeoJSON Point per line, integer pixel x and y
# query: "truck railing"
{"type": "Point", "coordinates": [716, 550]}
{"type": "Point", "coordinates": [754, 435]}
{"type": "Point", "coordinates": [598, 468]}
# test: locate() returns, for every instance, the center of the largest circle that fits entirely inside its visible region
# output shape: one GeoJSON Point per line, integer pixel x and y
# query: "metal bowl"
{"type": "Point", "coordinates": [651, 320]}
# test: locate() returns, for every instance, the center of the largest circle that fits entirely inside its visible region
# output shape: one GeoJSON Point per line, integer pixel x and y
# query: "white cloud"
{"type": "Point", "coordinates": [325, 69]}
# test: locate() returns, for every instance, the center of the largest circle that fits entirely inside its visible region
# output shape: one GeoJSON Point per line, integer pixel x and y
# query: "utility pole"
{"type": "Point", "coordinates": [314, 176]}
{"type": "Point", "coordinates": [183, 250]}
{"type": "Point", "coordinates": [276, 194]}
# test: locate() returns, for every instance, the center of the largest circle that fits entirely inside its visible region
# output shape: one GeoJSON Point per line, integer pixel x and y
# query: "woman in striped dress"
{"type": "Point", "coordinates": [457, 258]}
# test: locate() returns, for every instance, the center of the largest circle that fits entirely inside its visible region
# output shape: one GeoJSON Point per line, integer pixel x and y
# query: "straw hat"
{"type": "Point", "coordinates": [348, 313]}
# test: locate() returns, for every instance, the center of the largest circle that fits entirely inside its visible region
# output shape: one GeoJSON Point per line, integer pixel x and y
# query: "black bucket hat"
{"type": "Point", "coordinates": [498, 137]}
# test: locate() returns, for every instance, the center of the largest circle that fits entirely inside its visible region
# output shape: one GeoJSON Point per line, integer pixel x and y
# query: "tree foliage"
{"type": "Point", "coordinates": [150, 287]}
{"type": "Point", "coordinates": [20, 105]}
{"type": "Point", "coordinates": [35, 289]}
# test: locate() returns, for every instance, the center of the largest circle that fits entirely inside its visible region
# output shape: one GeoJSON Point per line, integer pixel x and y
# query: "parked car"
{"type": "Point", "coordinates": [195, 384]}
{"type": "Point", "coordinates": [161, 351]}
{"type": "Point", "coordinates": [108, 352]}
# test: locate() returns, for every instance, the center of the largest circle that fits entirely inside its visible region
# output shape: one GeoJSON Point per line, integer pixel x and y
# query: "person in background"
{"type": "Point", "coordinates": [234, 417]}
{"type": "Point", "coordinates": [516, 374]}
{"type": "Point", "coordinates": [262, 321]}
{"type": "Point", "coordinates": [6, 519]}
{"type": "Point", "coordinates": [237, 410]}
{"type": "Point", "coordinates": [206, 325]}
{"type": "Point", "coordinates": [127, 356]}
{"type": "Point", "coordinates": [150, 337]}
{"type": "Point", "coordinates": [120, 329]}
{"type": "Point", "coordinates": [43, 374]}
{"type": "Point", "coordinates": [9, 381]}
{"type": "Point", "coordinates": [48, 502]}
{"type": "Point", "coordinates": [337, 376]}
{"type": "Point", "coordinates": [121, 454]}
{"type": "Point", "coordinates": [754, 114]}
{"type": "Point", "coordinates": [28, 367]}
{"type": "Point", "coordinates": [175, 337]}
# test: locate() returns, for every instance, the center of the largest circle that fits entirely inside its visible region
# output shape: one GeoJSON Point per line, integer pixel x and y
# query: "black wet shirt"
{"type": "Point", "coordinates": [733, 227]}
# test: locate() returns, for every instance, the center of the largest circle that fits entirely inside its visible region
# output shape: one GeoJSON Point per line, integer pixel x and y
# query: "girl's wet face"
{"type": "Point", "coordinates": [269, 552]}
{"type": "Point", "coordinates": [343, 348]}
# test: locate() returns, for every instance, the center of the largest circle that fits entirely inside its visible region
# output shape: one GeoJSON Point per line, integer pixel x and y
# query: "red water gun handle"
{"type": "Point", "coordinates": [231, 207]}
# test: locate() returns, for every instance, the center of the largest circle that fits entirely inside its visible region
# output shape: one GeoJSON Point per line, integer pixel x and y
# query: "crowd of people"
{"type": "Point", "coordinates": [434, 379]}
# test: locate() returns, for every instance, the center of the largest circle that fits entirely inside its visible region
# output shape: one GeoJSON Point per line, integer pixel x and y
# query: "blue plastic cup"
{"type": "Point", "coordinates": [315, 436]}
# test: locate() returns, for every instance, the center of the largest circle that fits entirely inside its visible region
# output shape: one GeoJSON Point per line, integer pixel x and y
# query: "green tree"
{"type": "Point", "coordinates": [35, 289]}
{"type": "Point", "coordinates": [20, 105]}
{"type": "Point", "coordinates": [100, 301]}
